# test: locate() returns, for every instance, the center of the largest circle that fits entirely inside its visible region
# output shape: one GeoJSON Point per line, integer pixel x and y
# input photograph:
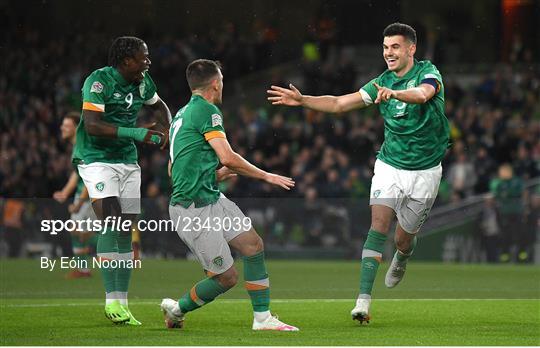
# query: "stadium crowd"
{"type": "Point", "coordinates": [493, 121]}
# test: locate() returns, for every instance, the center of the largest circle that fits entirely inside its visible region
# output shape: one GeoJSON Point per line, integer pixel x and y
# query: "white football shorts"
{"type": "Point", "coordinates": [410, 193]}
{"type": "Point", "coordinates": [114, 180]}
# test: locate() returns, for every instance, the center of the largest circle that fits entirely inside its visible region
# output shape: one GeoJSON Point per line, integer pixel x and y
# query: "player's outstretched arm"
{"type": "Point", "coordinates": [239, 165]}
{"type": "Point", "coordinates": [416, 95]}
{"type": "Point", "coordinates": [95, 126]}
{"type": "Point", "coordinates": [67, 190]}
{"type": "Point", "coordinates": [327, 103]}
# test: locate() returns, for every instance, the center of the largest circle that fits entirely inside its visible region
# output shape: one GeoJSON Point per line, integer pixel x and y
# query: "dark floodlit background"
{"type": "Point", "coordinates": [487, 51]}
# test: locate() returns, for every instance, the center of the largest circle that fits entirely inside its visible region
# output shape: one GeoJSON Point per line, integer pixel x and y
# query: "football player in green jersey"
{"type": "Point", "coordinates": [106, 156]}
{"type": "Point", "coordinates": [81, 208]}
{"type": "Point", "coordinates": [205, 219]}
{"type": "Point", "coordinates": [410, 97]}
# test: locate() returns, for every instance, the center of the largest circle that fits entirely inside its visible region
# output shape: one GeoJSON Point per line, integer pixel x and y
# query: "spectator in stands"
{"type": "Point", "coordinates": [489, 225]}
{"type": "Point", "coordinates": [509, 195]}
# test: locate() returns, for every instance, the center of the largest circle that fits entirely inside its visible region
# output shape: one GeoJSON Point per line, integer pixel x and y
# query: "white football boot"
{"type": "Point", "coordinates": [361, 311]}
{"type": "Point", "coordinates": [272, 323]}
{"type": "Point", "coordinates": [395, 272]}
{"type": "Point", "coordinates": [174, 318]}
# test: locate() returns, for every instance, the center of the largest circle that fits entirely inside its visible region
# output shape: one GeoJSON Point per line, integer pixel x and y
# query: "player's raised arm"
{"type": "Point", "coordinates": [238, 164]}
{"type": "Point", "coordinates": [327, 103]}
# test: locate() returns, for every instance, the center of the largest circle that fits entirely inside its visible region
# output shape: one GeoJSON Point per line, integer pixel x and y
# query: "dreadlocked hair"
{"type": "Point", "coordinates": [124, 47]}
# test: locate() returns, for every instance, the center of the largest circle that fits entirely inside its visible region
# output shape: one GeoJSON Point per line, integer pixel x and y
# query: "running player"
{"type": "Point", "coordinates": [106, 156]}
{"type": "Point", "coordinates": [410, 97]}
{"type": "Point", "coordinates": [207, 221]}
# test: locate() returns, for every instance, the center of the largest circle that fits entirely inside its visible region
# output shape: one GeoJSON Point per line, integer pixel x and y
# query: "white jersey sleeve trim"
{"type": "Point", "coordinates": [152, 100]}
{"type": "Point", "coordinates": [365, 97]}
{"type": "Point", "coordinates": [431, 76]}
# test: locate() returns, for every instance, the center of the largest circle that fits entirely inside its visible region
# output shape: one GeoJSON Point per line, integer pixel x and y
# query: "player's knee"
{"type": "Point", "coordinates": [256, 246]}
{"type": "Point", "coordinates": [404, 241]}
{"type": "Point", "coordinates": [229, 278]}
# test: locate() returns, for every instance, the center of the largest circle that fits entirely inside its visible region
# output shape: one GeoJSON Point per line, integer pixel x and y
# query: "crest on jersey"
{"type": "Point", "coordinates": [377, 193]}
{"type": "Point", "coordinates": [142, 87]}
{"type": "Point", "coordinates": [100, 186]}
{"type": "Point", "coordinates": [216, 120]}
{"type": "Point", "coordinates": [97, 87]}
{"type": "Point", "coordinates": [218, 261]}
{"type": "Point", "coordinates": [411, 84]}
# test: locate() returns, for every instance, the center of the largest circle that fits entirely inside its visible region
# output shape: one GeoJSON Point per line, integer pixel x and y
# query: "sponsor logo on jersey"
{"type": "Point", "coordinates": [377, 193]}
{"type": "Point", "coordinates": [117, 95]}
{"type": "Point", "coordinates": [97, 87]}
{"type": "Point", "coordinates": [216, 120]}
{"type": "Point", "coordinates": [100, 186]}
{"type": "Point", "coordinates": [142, 87]}
{"type": "Point", "coordinates": [218, 261]}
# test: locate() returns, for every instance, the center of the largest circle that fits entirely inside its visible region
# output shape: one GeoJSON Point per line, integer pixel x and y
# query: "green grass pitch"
{"type": "Point", "coordinates": [436, 304]}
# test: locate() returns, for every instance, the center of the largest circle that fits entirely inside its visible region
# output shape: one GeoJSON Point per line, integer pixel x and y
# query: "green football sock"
{"type": "Point", "coordinates": [202, 293]}
{"type": "Point", "coordinates": [404, 255]}
{"type": "Point", "coordinates": [371, 258]}
{"type": "Point", "coordinates": [125, 252]}
{"type": "Point", "coordinates": [257, 282]}
{"type": "Point", "coordinates": [107, 245]}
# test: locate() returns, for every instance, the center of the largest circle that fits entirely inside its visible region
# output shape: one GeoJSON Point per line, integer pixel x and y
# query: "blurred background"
{"type": "Point", "coordinates": [487, 51]}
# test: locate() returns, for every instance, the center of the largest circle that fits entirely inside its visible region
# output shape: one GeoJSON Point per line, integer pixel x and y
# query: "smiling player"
{"type": "Point", "coordinates": [410, 97]}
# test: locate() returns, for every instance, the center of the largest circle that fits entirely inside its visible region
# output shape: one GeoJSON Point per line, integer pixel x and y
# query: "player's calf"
{"type": "Point", "coordinates": [395, 272]}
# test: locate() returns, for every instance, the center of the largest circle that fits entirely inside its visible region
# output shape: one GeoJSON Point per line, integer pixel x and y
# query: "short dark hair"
{"type": "Point", "coordinates": [401, 29]}
{"type": "Point", "coordinates": [124, 47]}
{"type": "Point", "coordinates": [74, 116]}
{"type": "Point", "coordinates": [200, 72]}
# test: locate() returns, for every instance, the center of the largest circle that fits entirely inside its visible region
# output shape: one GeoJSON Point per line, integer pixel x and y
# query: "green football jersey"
{"type": "Point", "coordinates": [106, 91]}
{"type": "Point", "coordinates": [415, 135]}
{"type": "Point", "coordinates": [194, 161]}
